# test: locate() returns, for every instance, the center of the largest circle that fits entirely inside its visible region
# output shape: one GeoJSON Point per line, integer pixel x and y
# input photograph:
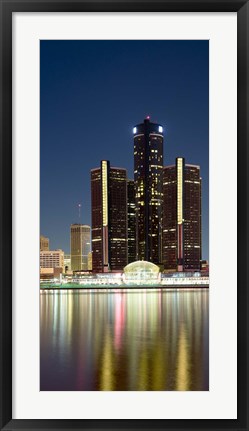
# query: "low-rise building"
{"type": "Point", "coordinates": [52, 259]}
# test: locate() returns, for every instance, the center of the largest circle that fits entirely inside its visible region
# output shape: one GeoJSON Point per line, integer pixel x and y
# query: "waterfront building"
{"type": "Point", "coordinates": [131, 220]}
{"type": "Point", "coordinates": [80, 243]}
{"type": "Point", "coordinates": [44, 243]}
{"type": "Point", "coordinates": [182, 217]}
{"type": "Point", "coordinates": [141, 273]}
{"type": "Point", "coordinates": [52, 259]}
{"type": "Point", "coordinates": [50, 274]}
{"type": "Point", "coordinates": [148, 181]}
{"type": "Point", "coordinates": [109, 218]}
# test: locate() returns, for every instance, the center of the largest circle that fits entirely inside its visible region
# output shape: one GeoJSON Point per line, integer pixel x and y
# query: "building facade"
{"type": "Point", "coordinates": [52, 259]}
{"type": "Point", "coordinates": [131, 221]}
{"type": "Point", "coordinates": [67, 262]}
{"type": "Point", "coordinates": [80, 242]}
{"type": "Point", "coordinates": [182, 245]}
{"type": "Point", "coordinates": [44, 243]}
{"type": "Point", "coordinates": [148, 182]}
{"type": "Point", "coordinates": [109, 218]}
{"type": "Point", "coordinates": [90, 261]}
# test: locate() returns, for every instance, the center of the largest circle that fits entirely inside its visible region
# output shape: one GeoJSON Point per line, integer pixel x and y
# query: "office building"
{"type": "Point", "coordinates": [67, 262]}
{"type": "Point", "coordinates": [52, 259]}
{"type": "Point", "coordinates": [131, 221]}
{"type": "Point", "coordinates": [44, 243]}
{"type": "Point", "coordinates": [181, 217]}
{"type": "Point", "coordinates": [90, 261]}
{"type": "Point", "coordinates": [205, 266]}
{"type": "Point", "coordinates": [148, 181]}
{"type": "Point", "coordinates": [109, 218]}
{"type": "Point", "coordinates": [80, 241]}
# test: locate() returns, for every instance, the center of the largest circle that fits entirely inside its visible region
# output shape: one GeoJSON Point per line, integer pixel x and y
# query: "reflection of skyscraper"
{"type": "Point", "coordinates": [131, 215]}
{"type": "Point", "coordinates": [148, 179]}
{"type": "Point", "coordinates": [182, 216]}
{"type": "Point", "coordinates": [109, 217]}
{"type": "Point", "coordinates": [80, 246]}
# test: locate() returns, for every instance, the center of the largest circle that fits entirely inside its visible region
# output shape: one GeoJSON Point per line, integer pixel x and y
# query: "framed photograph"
{"type": "Point", "coordinates": [124, 239]}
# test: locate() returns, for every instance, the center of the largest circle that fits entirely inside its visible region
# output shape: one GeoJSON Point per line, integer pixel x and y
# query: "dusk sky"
{"type": "Point", "coordinates": [92, 94]}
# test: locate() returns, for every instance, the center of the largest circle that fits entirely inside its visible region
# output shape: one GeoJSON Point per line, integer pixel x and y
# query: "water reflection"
{"type": "Point", "coordinates": [137, 341]}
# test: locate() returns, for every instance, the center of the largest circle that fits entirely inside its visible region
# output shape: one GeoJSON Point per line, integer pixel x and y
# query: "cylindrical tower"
{"type": "Point", "coordinates": [148, 182]}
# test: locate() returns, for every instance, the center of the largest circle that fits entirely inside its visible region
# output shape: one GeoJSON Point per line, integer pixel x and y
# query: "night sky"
{"type": "Point", "coordinates": [92, 94]}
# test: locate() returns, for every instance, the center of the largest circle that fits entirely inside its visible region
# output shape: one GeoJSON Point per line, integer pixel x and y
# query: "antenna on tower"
{"type": "Point", "coordinates": [79, 207]}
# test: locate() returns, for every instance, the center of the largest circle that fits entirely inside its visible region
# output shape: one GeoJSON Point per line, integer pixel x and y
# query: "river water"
{"type": "Point", "coordinates": [124, 340]}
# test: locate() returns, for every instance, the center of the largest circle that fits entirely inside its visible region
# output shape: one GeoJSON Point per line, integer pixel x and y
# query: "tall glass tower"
{"type": "Point", "coordinates": [182, 243]}
{"type": "Point", "coordinates": [131, 221]}
{"type": "Point", "coordinates": [80, 244]}
{"type": "Point", "coordinates": [109, 218]}
{"type": "Point", "coordinates": [148, 182]}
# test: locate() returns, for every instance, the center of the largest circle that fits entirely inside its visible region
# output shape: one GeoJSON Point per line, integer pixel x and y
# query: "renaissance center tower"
{"type": "Point", "coordinates": [148, 183]}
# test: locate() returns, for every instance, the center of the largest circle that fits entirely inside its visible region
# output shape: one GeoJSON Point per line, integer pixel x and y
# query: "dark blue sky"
{"type": "Point", "coordinates": [92, 94]}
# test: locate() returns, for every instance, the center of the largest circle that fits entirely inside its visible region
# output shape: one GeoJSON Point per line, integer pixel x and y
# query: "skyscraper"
{"type": "Point", "coordinates": [80, 240]}
{"type": "Point", "coordinates": [182, 217]}
{"type": "Point", "coordinates": [109, 218]}
{"type": "Point", "coordinates": [44, 243]}
{"type": "Point", "coordinates": [148, 180]}
{"type": "Point", "coordinates": [131, 216]}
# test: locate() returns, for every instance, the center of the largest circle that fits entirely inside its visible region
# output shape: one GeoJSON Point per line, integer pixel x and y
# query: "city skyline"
{"type": "Point", "coordinates": [74, 162]}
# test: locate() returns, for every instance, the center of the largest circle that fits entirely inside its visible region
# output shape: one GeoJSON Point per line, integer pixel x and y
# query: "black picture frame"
{"type": "Point", "coordinates": [7, 7]}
